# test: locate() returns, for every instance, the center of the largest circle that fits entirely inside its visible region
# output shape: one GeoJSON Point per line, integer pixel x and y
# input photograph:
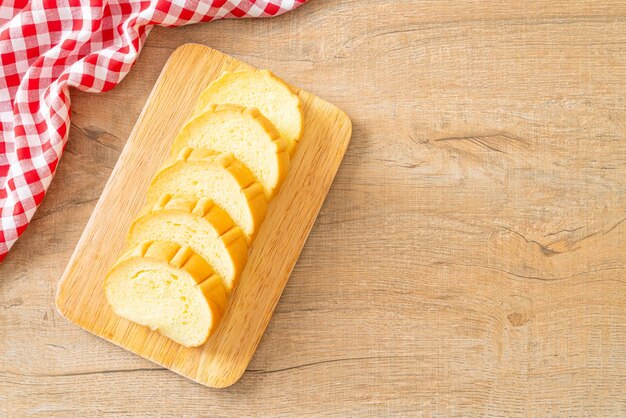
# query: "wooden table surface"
{"type": "Point", "coordinates": [470, 258]}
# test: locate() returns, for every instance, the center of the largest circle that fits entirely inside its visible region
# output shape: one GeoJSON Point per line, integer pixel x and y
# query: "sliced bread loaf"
{"type": "Point", "coordinates": [200, 224]}
{"type": "Point", "coordinates": [168, 288]}
{"type": "Point", "coordinates": [246, 134]}
{"type": "Point", "coordinates": [219, 177]}
{"type": "Point", "coordinates": [263, 90]}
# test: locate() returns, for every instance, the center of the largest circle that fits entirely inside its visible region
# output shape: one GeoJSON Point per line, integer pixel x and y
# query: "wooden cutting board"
{"type": "Point", "coordinates": [224, 358]}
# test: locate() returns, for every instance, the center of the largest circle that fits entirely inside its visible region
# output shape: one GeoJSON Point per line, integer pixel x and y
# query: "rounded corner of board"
{"type": "Point", "coordinates": [189, 47]}
{"type": "Point", "coordinates": [347, 121]}
{"type": "Point", "coordinates": [224, 383]}
{"type": "Point", "coordinates": [58, 304]}
{"type": "Point", "coordinates": [345, 124]}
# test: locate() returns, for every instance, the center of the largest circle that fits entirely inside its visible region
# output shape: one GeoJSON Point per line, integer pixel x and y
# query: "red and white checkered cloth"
{"type": "Point", "coordinates": [46, 46]}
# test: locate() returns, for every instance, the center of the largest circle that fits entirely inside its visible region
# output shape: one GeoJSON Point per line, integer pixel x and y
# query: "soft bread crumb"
{"type": "Point", "coordinates": [167, 288]}
{"type": "Point", "coordinates": [260, 89]}
{"type": "Point", "coordinates": [219, 177]}
{"type": "Point", "coordinates": [200, 224]}
{"type": "Point", "coordinates": [246, 134]}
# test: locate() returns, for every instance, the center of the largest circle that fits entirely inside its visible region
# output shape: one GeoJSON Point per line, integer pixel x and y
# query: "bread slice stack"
{"type": "Point", "coordinates": [189, 246]}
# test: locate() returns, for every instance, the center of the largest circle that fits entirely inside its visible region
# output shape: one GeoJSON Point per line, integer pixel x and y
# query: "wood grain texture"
{"type": "Point", "coordinates": [291, 214]}
{"type": "Point", "coordinates": [469, 259]}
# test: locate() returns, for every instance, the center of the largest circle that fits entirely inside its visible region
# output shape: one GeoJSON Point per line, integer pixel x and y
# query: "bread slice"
{"type": "Point", "coordinates": [167, 288]}
{"type": "Point", "coordinates": [219, 177]}
{"type": "Point", "coordinates": [263, 90]}
{"type": "Point", "coordinates": [200, 224]}
{"type": "Point", "coordinates": [246, 134]}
